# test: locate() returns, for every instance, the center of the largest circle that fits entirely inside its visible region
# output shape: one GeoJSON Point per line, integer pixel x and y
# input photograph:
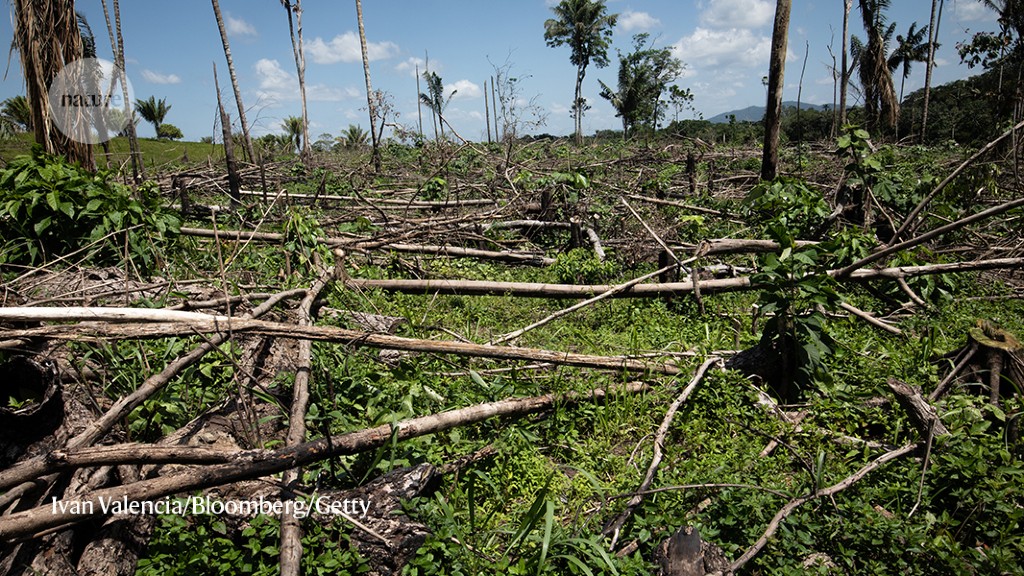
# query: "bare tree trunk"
{"type": "Point", "coordinates": [234, 81]}
{"type": "Point", "coordinates": [117, 46]}
{"type": "Point", "coordinates": [419, 104]}
{"type": "Point", "coordinates": [577, 105]}
{"type": "Point", "coordinates": [48, 38]}
{"type": "Point", "coordinates": [776, 76]}
{"type": "Point", "coordinates": [928, 70]}
{"type": "Point", "coordinates": [494, 105]}
{"type": "Point", "coordinates": [487, 113]}
{"type": "Point", "coordinates": [300, 66]}
{"type": "Point", "coordinates": [234, 184]}
{"type": "Point", "coordinates": [844, 74]}
{"type": "Point", "coordinates": [369, 88]}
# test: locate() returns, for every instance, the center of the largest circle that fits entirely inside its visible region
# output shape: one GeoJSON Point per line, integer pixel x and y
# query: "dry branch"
{"type": "Point", "coordinates": [922, 415]}
{"type": "Point", "coordinates": [102, 314]}
{"type": "Point", "coordinates": [612, 529]}
{"type": "Point", "coordinates": [99, 330]}
{"type": "Point", "coordinates": [795, 503]}
{"type": "Point", "coordinates": [918, 240]}
{"type": "Point", "coordinates": [256, 464]}
{"type": "Point", "coordinates": [291, 528]}
{"type": "Point", "coordinates": [99, 427]}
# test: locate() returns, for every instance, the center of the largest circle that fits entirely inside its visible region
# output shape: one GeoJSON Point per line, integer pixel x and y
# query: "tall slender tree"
{"type": "Point", "coordinates": [117, 46]}
{"type": "Point", "coordinates": [247, 141]}
{"type": "Point", "coordinates": [435, 100]}
{"type": "Point", "coordinates": [586, 27]}
{"type": "Point", "coordinates": [300, 64]}
{"type": "Point", "coordinates": [370, 105]}
{"type": "Point", "coordinates": [776, 78]}
{"type": "Point", "coordinates": [844, 73]}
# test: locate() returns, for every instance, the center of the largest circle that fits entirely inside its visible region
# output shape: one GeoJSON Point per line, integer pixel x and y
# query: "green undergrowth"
{"type": "Point", "coordinates": [538, 498]}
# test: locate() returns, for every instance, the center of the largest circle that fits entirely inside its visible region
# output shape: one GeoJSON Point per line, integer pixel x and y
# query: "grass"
{"type": "Point", "coordinates": [157, 155]}
{"type": "Point", "coordinates": [538, 504]}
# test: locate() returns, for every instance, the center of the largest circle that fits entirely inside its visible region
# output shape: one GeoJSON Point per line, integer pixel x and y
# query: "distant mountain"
{"type": "Point", "coordinates": [756, 113]}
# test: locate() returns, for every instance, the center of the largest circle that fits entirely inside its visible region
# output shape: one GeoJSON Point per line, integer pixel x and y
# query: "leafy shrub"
{"type": "Point", "coordinates": [580, 266]}
{"type": "Point", "coordinates": [169, 131]}
{"type": "Point", "coordinates": [50, 208]}
{"type": "Point", "coordinates": [789, 203]}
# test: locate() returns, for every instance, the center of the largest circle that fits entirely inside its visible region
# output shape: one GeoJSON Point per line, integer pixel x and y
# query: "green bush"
{"type": "Point", "coordinates": [51, 208]}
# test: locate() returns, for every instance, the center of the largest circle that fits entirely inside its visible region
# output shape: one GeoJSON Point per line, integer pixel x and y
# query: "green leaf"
{"type": "Point", "coordinates": [42, 225]}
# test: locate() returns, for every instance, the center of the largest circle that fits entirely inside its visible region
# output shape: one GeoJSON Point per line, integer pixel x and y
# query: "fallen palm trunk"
{"type": "Point", "coordinates": [103, 331]}
{"type": "Point", "coordinates": [540, 290]}
{"type": "Point", "coordinates": [256, 464]}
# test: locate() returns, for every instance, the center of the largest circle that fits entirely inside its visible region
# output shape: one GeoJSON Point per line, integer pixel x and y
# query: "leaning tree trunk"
{"type": "Point", "coordinates": [369, 88]}
{"type": "Point", "coordinates": [46, 33]}
{"type": "Point", "coordinates": [234, 82]}
{"type": "Point", "coordinates": [928, 71]}
{"type": "Point", "coordinates": [776, 76]}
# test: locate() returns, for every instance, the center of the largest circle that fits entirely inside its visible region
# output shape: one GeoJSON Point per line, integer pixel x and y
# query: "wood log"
{"type": "Point", "coordinates": [27, 523]}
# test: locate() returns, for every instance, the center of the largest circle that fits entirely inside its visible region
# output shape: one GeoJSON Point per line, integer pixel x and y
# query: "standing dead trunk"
{"type": "Point", "coordinates": [776, 76]}
{"type": "Point", "coordinates": [234, 184]}
{"type": "Point", "coordinates": [487, 113]}
{"type": "Point", "coordinates": [369, 89]}
{"type": "Point", "coordinates": [928, 71]}
{"type": "Point", "coordinates": [234, 82]}
{"type": "Point", "coordinates": [300, 65]}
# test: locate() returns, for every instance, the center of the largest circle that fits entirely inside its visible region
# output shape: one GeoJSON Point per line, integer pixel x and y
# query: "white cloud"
{"type": "Point", "coordinates": [238, 27]}
{"type": "Point", "coordinates": [277, 85]}
{"type": "Point", "coordinates": [732, 14]}
{"type": "Point", "coordinates": [158, 78]}
{"type": "Point", "coordinates": [413, 63]}
{"type": "Point", "coordinates": [630, 21]}
{"type": "Point", "coordinates": [463, 90]}
{"type": "Point", "coordinates": [345, 48]}
{"type": "Point", "coordinates": [973, 11]}
{"type": "Point", "coordinates": [706, 48]}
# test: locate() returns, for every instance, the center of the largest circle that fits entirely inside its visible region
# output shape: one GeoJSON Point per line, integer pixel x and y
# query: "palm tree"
{"type": "Point", "coordinates": [153, 111]}
{"type": "Point", "coordinates": [16, 114]}
{"type": "Point", "coordinates": [586, 27]}
{"type": "Point", "coordinates": [434, 100]}
{"type": "Point", "coordinates": [293, 131]}
{"type": "Point", "coordinates": [880, 104]}
{"type": "Point", "coordinates": [910, 48]}
{"type": "Point", "coordinates": [353, 137]}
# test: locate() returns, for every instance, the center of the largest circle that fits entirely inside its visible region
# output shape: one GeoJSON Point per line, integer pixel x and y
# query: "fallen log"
{"type": "Point", "coordinates": [104, 331]}
{"type": "Point", "coordinates": [256, 464]}
{"type": "Point", "coordinates": [541, 290]}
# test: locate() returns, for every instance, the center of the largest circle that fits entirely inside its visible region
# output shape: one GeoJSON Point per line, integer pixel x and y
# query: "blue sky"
{"type": "Point", "coordinates": [724, 44]}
